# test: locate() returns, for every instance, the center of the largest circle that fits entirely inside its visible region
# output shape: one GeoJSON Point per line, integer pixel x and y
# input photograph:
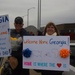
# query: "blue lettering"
{"type": "Point", "coordinates": [0, 20]}
{"type": "Point", "coordinates": [3, 19]}
{"type": "Point", "coordinates": [51, 41]}
{"type": "Point", "coordinates": [42, 64]}
{"type": "Point", "coordinates": [2, 38]}
{"type": "Point", "coordinates": [34, 63]}
{"type": "Point", "coordinates": [52, 64]}
{"type": "Point", "coordinates": [5, 52]}
{"type": "Point", "coordinates": [64, 65]}
{"type": "Point", "coordinates": [6, 18]}
{"type": "Point", "coordinates": [3, 48]}
{"type": "Point", "coordinates": [2, 43]}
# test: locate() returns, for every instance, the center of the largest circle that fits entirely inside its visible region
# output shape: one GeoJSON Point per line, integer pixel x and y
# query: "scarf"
{"type": "Point", "coordinates": [54, 34]}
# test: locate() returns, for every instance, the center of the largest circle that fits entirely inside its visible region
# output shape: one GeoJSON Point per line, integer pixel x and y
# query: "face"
{"type": "Point", "coordinates": [50, 30]}
{"type": "Point", "coordinates": [18, 27]}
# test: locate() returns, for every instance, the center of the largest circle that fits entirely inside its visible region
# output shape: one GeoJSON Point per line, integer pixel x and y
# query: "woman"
{"type": "Point", "coordinates": [50, 30]}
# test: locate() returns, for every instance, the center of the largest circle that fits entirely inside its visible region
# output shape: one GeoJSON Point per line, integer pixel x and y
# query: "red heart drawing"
{"type": "Point", "coordinates": [59, 65]}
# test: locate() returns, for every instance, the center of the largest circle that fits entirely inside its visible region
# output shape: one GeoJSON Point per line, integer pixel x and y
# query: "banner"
{"type": "Point", "coordinates": [46, 52]}
{"type": "Point", "coordinates": [4, 36]}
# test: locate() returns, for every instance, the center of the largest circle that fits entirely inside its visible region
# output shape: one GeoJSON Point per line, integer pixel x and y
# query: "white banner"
{"type": "Point", "coordinates": [44, 52]}
{"type": "Point", "coordinates": [4, 36]}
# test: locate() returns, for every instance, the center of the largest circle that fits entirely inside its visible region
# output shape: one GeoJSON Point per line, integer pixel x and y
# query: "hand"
{"type": "Point", "coordinates": [13, 62]}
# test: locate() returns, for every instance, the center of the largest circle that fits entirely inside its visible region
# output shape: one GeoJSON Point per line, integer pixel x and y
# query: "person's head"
{"type": "Point", "coordinates": [18, 23]}
{"type": "Point", "coordinates": [50, 29]}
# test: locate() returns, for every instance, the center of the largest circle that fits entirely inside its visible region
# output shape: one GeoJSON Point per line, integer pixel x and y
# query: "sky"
{"type": "Point", "coordinates": [57, 11]}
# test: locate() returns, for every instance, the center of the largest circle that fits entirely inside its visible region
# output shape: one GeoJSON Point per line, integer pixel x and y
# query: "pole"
{"type": "Point", "coordinates": [28, 15]}
{"type": "Point", "coordinates": [39, 14]}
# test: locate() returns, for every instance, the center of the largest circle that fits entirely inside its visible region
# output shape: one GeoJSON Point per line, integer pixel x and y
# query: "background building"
{"type": "Point", "coordinates": [67, 29]}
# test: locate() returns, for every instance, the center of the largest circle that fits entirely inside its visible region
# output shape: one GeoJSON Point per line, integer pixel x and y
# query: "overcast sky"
{"type": "Point", "coordinates": [57, 11]}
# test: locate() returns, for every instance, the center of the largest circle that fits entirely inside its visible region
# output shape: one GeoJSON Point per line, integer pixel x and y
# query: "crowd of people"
{"type": "Point", "coordinates": [15, 60]}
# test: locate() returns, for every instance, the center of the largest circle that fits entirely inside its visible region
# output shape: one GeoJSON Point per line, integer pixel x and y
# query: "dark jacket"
{"type": "Point", "coordinates": [18, 53]}
{"type": "Point", "coordinates": [49, 72]}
